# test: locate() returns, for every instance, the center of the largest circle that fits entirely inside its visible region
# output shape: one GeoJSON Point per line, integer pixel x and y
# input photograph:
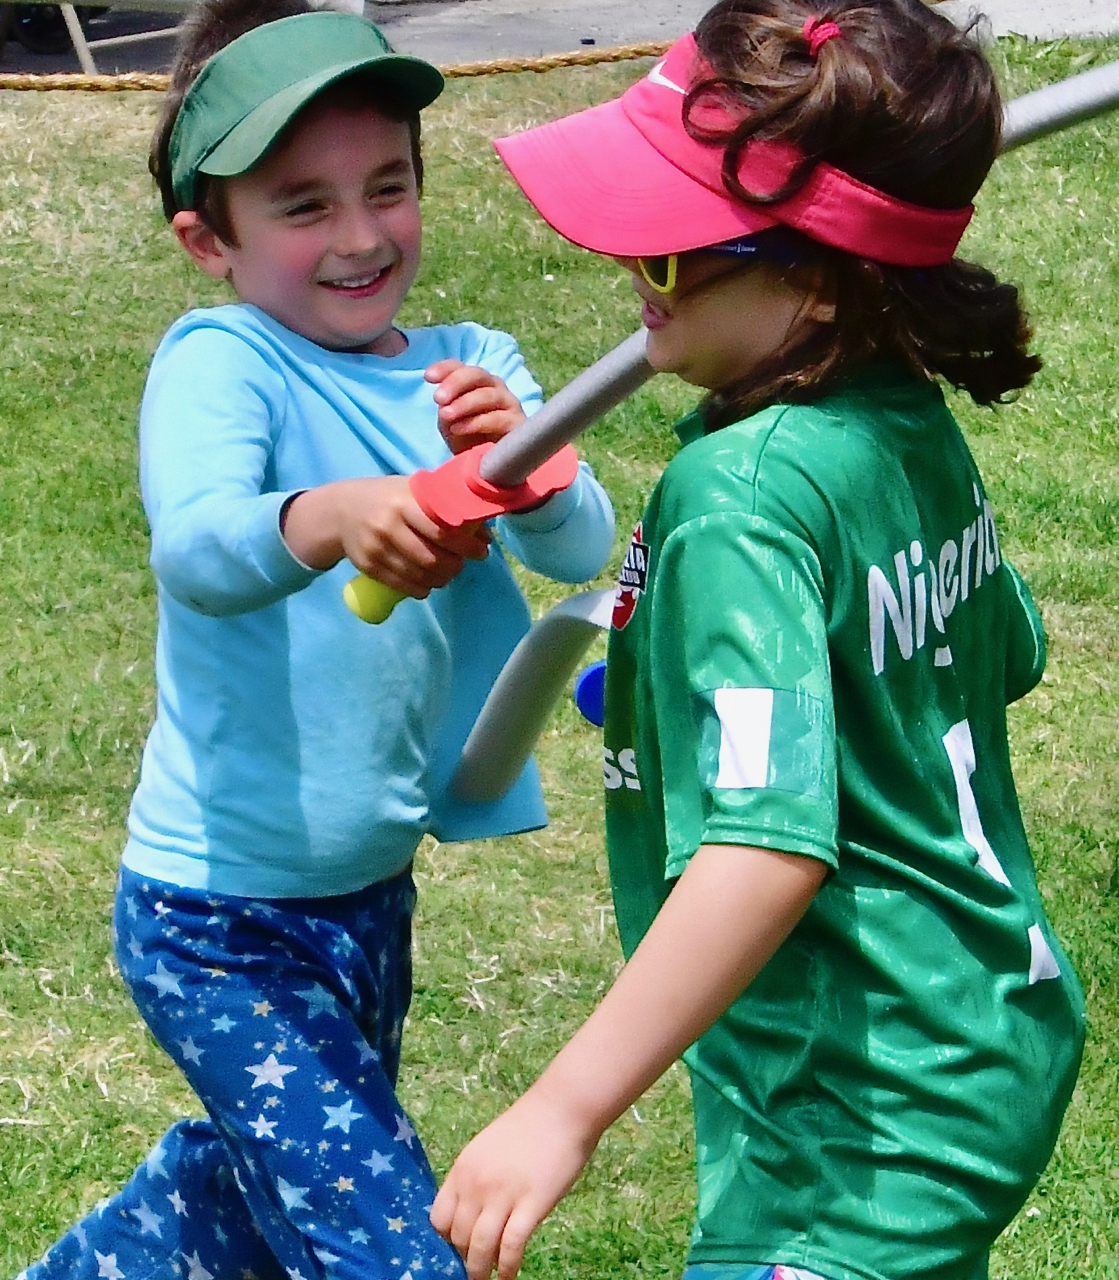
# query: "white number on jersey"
{"type": "Point", "coordinates": [961, 754]}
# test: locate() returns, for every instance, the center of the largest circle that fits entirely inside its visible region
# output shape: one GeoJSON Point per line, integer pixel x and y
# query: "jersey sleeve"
{"type": "Point", "coordinates": [207, 423]}
{"type": "Point", "coordinates": [742, 691]}
{"type": "Point", "coordinates": [1026, 644]}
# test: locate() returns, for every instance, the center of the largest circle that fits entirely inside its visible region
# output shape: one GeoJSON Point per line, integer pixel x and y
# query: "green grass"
{"type": "Point", "coordinates": [516, 939]}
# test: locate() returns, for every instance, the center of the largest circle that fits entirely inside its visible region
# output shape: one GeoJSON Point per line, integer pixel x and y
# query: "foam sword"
{"type": "Point", "coordinates": [534, 461]}
{"type": "Point", "coordinates": [521, 470]}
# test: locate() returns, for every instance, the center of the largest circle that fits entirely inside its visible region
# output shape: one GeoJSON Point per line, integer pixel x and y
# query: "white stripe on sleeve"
{"type": "Point", "coordinates": [745, 718]}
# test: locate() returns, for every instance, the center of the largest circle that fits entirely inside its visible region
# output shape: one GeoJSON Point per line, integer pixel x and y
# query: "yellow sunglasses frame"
{"type": "Point", "coordinates": [670, 281]}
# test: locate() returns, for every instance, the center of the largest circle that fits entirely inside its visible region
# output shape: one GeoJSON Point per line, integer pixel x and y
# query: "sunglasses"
{"type": "Point", "coordinates": [659, 272]}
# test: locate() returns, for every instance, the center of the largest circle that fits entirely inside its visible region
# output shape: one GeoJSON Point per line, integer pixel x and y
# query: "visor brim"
{"type": "Point", "coordinates": [597, 180]}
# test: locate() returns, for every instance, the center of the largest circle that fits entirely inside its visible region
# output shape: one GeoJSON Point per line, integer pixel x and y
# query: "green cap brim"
{"type": "Point", "coordinates": [249, 92]}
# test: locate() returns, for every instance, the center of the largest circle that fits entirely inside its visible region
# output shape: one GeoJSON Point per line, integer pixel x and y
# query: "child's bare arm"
{"type": "Point", "coordinates": [377, 524]}
{"type": "Point", "coordinates": [474, 405]}
{"type": "Point", "coordinates": [728, 913]}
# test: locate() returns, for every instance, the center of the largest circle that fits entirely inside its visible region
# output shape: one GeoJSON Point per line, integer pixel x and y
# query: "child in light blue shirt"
{"type": "Point", "coordinates": [298, 755]}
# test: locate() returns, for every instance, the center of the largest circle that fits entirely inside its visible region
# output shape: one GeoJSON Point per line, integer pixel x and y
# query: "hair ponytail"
{"type": "Point", "coordinates": [906, 102]}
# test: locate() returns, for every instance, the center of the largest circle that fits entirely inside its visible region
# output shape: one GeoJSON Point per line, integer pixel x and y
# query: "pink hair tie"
{"type": "Point", "coordinates": [818, 33]}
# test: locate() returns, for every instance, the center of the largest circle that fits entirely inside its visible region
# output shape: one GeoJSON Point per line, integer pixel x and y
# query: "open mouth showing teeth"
{"type": "Point", "coordinates": [356, 284]}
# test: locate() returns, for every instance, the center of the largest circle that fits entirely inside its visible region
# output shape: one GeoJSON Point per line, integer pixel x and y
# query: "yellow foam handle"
{"type": "Point", "coordinates": [371, 600]}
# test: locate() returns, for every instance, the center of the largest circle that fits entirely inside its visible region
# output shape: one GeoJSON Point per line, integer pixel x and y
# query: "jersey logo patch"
{"type": "Point", "coordinates": [631, 580]}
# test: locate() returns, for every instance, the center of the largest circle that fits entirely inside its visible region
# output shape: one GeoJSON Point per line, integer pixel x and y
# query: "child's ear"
{"type": "Point", "coordinates": [202, 242]}
{"type": "Point", "coordinates": [820, 288]}
{"type": "Point", "coordinates": [821, 310]}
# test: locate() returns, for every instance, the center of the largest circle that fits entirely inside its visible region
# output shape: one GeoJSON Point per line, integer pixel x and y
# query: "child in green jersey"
{"type": "Point", "coordinates": [822, 880]}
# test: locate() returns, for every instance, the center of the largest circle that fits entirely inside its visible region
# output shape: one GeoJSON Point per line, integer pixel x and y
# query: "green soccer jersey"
{"type": "Point", "coordinates": [815, 639]}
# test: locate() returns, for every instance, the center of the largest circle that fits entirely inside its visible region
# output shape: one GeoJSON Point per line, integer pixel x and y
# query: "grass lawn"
{"type": "Point", "coordinates": [516, 938]}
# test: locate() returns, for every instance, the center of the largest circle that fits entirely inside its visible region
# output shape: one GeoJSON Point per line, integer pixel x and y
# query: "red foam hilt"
{"type": "Point", "coordinates": [455, 494]}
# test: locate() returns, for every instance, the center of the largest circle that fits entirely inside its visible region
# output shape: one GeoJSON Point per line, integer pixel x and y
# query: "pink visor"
{"type": "Point", "coordinates": [625, 178]}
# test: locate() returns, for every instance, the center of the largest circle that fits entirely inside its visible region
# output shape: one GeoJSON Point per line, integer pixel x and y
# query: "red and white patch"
{"type": "Point", "coordinates": [631, 580]}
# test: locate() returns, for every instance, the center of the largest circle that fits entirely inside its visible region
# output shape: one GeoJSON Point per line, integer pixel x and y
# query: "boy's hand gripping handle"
{"type": "Point", "coordinates": [621, 371]}
{"type": "Point", "coordinates": [456, 494]}
{"type": "Point", "coordinates": [523, 469]}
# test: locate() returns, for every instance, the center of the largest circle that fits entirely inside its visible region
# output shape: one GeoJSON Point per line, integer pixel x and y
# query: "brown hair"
{"type": "Point", "coordinates": [209, 27]}
{"type": "Point", "coordinates": [906, 102]}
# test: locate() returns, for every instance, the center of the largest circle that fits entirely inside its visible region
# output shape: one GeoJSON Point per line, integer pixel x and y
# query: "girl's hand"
{"type": "Point", "coordinates": [378, 525]}
{"type": "Point", "coordinates": [725, 917]}
{"type": "Point", "coordinates": [474, 406]}
{"type": "Point", "coordinates": [506, 1182]}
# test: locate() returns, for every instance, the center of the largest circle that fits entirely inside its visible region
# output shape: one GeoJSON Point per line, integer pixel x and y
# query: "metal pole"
{"type": "Point", "coordinates": [1060, 105]}
{"type": "Point", "coordinates": [570, 411]}
{"type": "Point", "coordinates": [78, 40]}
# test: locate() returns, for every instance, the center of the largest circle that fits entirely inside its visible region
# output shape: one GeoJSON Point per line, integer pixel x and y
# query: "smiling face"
{"type": "Point", "coordinates": [724, 319]}
{"type": "Point", "coordinates": [327, 229]}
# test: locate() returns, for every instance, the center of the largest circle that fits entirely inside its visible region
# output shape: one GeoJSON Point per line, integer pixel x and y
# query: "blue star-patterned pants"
{"type": "Point", "coordinates": [285, 1017]}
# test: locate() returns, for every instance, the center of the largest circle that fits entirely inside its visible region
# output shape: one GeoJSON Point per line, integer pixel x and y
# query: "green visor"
{"type": "Point", "coordinates": [248, 92]}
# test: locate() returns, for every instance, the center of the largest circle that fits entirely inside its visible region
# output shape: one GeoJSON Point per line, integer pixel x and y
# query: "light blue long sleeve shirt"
{"type": "Point", "coordinates": [296, 751]}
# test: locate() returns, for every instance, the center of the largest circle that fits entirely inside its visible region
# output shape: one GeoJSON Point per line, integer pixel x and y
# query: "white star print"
{"type": "Point", "coordinates": [395, 1224]}
{"type": "Point", "coordinates": [378, 1163]}
{"type": "Point", "coordinates": [191, 1052]}
{"type": "Point", "coordinates": [359, 1236]}
{"type": "Point", "coordinates": [165, 981]}
{"type": "Point", "coordinates": [318, 1002]}
{"type": "Point", "coordinates": [224, 1023]}
{"type": "Point", "coordinates": [131, 907]}
{"type": "Point", "coordinates": [263, 1128]}
{"type": "Point", "coordinates": [342, 1117]}
{"type": "Point", "coordinates": [148, 1221]}
{"type": "Point", "coordinates": [367, 1054]}
{"type": "Point", "coordinates": [404, 1131]}
{"type": "Point", "coordinates": [134, 948]}
{"type": "Point", "coordinates": [325, 1257]}
{"type": "Point", "coordinates": [269, 1072]}
{"type": "Point", "coordinates": [197, 1270]}
{"type": "Point", "coordinates": [178, 1203]}
{"type": "Point", "coordinates": [154, 1163]}
{"type": "Point", "coordinates": [292, 1196]}
{"type": "Point", "coordinates": [107, 1266]}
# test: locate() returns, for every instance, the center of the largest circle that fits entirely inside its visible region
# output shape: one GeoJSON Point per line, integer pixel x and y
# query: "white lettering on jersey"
{"type": "Point", "coordinates": [745, 722]}
{"type": "Point", "coordinates": [936, 585]}
{"type": "Point", "coordinates": [620, 770]}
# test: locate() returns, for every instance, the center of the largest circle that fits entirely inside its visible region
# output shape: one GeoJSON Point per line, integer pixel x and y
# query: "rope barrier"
{"type": "Point", "coordinates": [158, 82]}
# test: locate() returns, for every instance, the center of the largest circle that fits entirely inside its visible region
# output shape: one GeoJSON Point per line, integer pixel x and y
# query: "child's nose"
{"type": "Point", "coordinates": [359, 232]}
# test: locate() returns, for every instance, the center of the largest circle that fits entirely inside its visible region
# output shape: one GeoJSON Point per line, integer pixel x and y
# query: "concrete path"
{"type": "Point", "coordinates": [467, 29]}
{"type": "Point", "coordinates": [449, 31]}
{"type": "Point", "coordinates": [1042, 19]}
{"type": "Point", "coordinates": [470, 30]}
